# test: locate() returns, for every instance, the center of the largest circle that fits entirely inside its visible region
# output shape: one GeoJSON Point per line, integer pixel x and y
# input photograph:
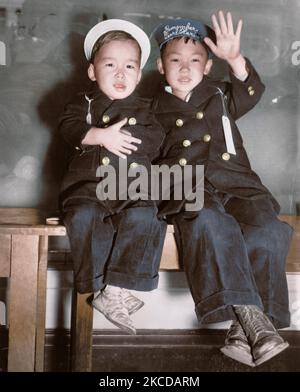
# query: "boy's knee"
{"type": "Point", "coordinates": [139, 215]}
{"type": "Point", "coordinates": [81, 214]}
{"type": "Point", "coordinates": [211, 219]}
{"type": "Point", "coordinates": [274, 236]}
{"type": "Point", "coordinates": [275, 230]}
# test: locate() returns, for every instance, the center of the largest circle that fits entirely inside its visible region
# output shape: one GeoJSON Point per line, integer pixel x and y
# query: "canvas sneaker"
{"type": "Point", "coordinates": [111, 304]}
{"type": "Point", "coordinates": [132, 303]}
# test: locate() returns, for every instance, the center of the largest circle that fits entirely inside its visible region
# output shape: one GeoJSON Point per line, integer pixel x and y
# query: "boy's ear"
{"type": "Point", "coordinates": [160, 66]}
{"type": "Point", "coordinates": [208, 66]}
{"type": "Point", "coordinates": [91, 72]}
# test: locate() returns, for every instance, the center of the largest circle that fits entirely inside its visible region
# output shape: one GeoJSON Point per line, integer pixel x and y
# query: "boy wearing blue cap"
{"type": "Point", "coordinates": [116, 242]}
{"type": "Point", "coordinates": [233, 249]}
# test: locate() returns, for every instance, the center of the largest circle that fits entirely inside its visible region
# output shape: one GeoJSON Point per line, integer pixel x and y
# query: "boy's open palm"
{"type": "Point", "coordinates": [228, 42]}
{"type": "Point", "coordinates": [118, 140]}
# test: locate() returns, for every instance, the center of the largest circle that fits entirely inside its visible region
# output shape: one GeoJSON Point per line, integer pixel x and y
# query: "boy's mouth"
{"type": "Point", "coordinates": [184, 80]}
{"type": "Point", "coordinates": [119, 86]}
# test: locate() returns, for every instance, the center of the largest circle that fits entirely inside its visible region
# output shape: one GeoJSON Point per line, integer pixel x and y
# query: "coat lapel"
{"type": "Point", "coordinates": [204, 91]}
{"type": "Point", "coordinates": [168, 103]}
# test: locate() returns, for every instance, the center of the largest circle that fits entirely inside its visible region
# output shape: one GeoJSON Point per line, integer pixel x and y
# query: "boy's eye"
{"type": "Point", "coordinates": [109, 65]}
{"type": "Point", "coordinates": [195, 60]}
{"type": "Point", "coordinates": [129, 66]}
{"type": "Point", "coordinates": [174, 60]}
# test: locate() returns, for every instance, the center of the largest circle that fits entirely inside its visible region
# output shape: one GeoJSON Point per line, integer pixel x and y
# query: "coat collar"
{"type": "Point", "coordinates": [98, 95]}
{"type": "Point", "coordinates": [95, 94]}
{"type": "Point", "coordinates": [203, 91]}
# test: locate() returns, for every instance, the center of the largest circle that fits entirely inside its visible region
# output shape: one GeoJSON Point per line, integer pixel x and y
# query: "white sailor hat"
{"type": "Point", "coordinates": [117, 25]}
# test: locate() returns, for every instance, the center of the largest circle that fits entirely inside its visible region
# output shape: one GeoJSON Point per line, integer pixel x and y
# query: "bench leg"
{"type": "Point", "coordinates": [41, 304]}
{"type": "Point", "coordinates": [81, 333]}
{"type": "Point", "coordinates": [23, 303]}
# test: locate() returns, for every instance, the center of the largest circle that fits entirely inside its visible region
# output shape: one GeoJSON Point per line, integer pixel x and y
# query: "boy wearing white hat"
{"type": "Point", "coordinates": [233, 249]}
{"type": "Point", "coordinates": [116, 242]}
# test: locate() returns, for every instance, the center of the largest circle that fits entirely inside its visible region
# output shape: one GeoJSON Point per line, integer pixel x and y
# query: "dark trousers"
{"type": "Point", "coordinates": [122, 250]}
{"type": "Point", "coordinates": [228, 262]}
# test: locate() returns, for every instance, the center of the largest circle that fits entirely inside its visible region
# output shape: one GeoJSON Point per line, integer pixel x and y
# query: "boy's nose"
{"type": "Point", "coordinates": [120, 74]}
{"type": "Point", "coordinates": [184, 67]}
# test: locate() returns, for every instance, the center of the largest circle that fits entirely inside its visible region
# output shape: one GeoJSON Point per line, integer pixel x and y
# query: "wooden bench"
{"type": "Point", "coordinates": [23, 258]}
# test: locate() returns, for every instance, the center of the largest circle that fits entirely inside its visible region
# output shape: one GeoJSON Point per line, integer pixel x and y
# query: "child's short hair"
{"type": "Point", "coordinates": [116, 35]}
{"type": "Point", "coordinates": [186, 40]}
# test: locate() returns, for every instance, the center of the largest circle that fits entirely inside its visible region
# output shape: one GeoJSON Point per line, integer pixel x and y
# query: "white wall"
{"type": "Point", "coordinates": [168, 307]}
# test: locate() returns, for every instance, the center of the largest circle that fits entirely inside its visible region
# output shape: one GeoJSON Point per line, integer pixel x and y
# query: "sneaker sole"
{"type": "Point", "coordinates": [123, 327]}
{"type": "Point", "coordinates": [238, 355]}
{"type": "Point", "coordinates": [139, 306]}
{"type": "Point", "coordinates": [270, 354]}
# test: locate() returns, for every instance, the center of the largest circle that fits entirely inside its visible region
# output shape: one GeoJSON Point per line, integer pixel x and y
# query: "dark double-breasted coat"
{"type": "Point", "coordinates": [119, 240]}
{"type": "Point", "coordinates": [234, 248]}
{"type": "Point", "coordinates": [195, 136]}
{"type": "Point", "coordinates": [96, 109]}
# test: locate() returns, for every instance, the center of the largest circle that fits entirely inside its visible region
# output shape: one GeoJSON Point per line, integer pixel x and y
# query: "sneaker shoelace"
{"type": "Point", "coordinates": [116, 304]}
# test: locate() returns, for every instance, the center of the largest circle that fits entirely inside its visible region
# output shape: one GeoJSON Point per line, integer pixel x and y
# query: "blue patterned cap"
{"type": "Point", "coordinates": [193, 29]}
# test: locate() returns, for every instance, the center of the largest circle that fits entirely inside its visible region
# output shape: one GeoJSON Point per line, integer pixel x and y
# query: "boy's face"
{"type": "Point", "coordinates": [116, 68]}
{"type": "Point", "coordinates": [184, 65]}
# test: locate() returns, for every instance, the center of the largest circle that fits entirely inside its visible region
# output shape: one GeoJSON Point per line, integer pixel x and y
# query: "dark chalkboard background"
{"type": "Point", "coordinates": [45, 67]}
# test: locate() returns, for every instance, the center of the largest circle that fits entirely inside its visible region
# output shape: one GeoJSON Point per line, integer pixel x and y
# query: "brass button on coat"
{"type": "Point", "coordinates": [225, 156]}
{"type": "Point", "coordinates": [133, 165]}
{"type": "Point", "coordinates": [105, 161]}
{"type": "Point", "coordinates": [179, 122]}
{"type": "Point", "coordinates": [105, 119]}
{"type": "Point", "coordinates": [206, 138]}
{"type": "Point", "coordinates": [186, 143]}
{"type": "Point", "coordinates": [199, 115]}
{"type": "Point", "coordinates": [182, 162]}
{"type": "Point", "coordinates": [77, 148]}
{"type": "Point", "coordinates": [132, 121]}
{"type": "Point", "coordinates": [251, 90]}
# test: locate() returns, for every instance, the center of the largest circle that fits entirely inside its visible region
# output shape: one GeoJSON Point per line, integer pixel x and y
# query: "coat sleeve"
{"type": "Point", "coordinates": [73, 125]}
{"type": "Point", "coordinates": [243, 96]}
